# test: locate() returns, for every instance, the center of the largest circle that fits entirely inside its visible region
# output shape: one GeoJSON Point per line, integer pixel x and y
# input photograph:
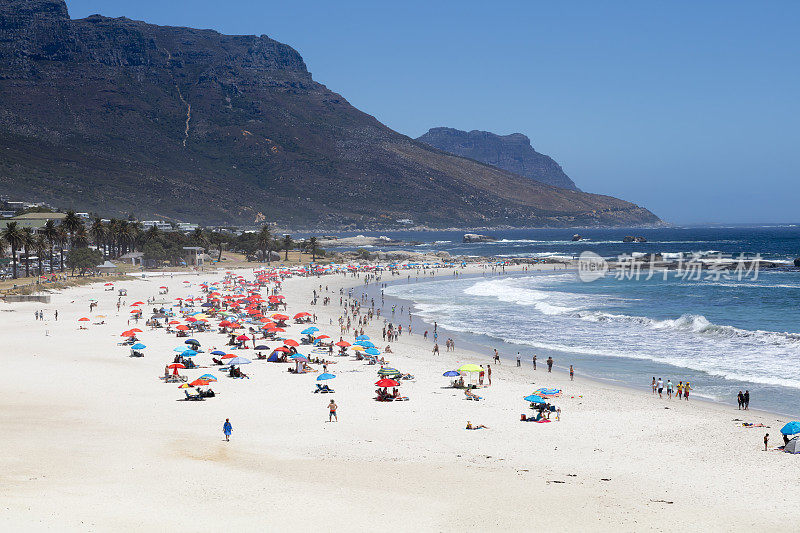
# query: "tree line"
{"type": "Point", "coordinates": [71, 239]}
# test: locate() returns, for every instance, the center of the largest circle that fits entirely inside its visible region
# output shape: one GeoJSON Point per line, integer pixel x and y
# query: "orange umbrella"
{"type": "Point", "coordinates": [198, 383]}
{"type": "Point", "coordinates": [83, 319]}
{"type": "Point", "coordinates": [343, 344]}
{"type": "Point", "coordinates": [182, 327]}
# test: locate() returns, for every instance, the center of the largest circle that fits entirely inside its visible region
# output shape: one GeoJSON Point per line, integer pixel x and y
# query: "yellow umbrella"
{"type": "Point", "coordinates": [358, 348]}
{"type": "Point", "coordinates": [470, 368]}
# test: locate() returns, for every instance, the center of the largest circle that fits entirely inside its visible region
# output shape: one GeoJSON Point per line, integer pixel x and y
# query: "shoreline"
{"type": "Point", "coordinates": [483, 350]}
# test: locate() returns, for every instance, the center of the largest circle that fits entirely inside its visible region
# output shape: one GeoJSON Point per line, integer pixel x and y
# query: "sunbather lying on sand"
{"type": "Point", "coordinates": [471, 395]}
{"type": "Point", "coordinates": [470, 426]}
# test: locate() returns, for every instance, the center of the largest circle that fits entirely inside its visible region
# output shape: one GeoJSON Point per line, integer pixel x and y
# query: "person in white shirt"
{"type": "Point", "coordinates": [669, 389]}
{"type": "Point", "coordinates": [660, 386]}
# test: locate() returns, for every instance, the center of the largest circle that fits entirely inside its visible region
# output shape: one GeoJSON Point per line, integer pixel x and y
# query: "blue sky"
{"type": "Point", "coordinates": [688, 108]}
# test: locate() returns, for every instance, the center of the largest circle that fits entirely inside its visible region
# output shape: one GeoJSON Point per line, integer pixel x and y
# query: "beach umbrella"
{"type": "Point", "coordinates": [239, 361]}
{"type": "Point", "coordinates": [319, 337]}
{"type": "Point", "coordinates": [309, 331]}
{"type": "Point", "coordinates": [386, 382]}
{"type": "Point", "coordinates": [291, 342]}
{"type": "Point", "coordinates": [198, 382]}
{"type": "Point", "coordinates": [135, 330]}
{"type": "Point", "coordinates": [325, 376]}
{"type": "Point", "coordinates": [282, 349]}
{"type": "Point", "coordinates": [242, 338]}
{"type": "Point", "coordinates": [228, 356]}
{"type": "Point", "coordinates": [299, 357]}
{"type": "Point", "coordinates": [208, 377]}
{"type": "Point", "coordinates": [83, 319]}
{"type": "Point", "coordinates": [450, 374]}
{"type": "Point", "coordinates": [387, 371]}
{"type": "Point", "coordinates": [372, 351]}
{"type": "Point", "coordinates": [138, 346]}
{"type": "Point", "coordinates": [358, 348]}
{"type": "Point", "coordinates": [176, 366]}
{"type": "Point", "coordinates": [343, 344]}
{"type": "Point", "coordinates": [217, 352]}
{"type": "Point", "coordinates": [791, 428]}
{"type": "Point", "coordinates": [173, 322]}
{"type": "Point", "coordinates": [188, 353]}
{"type": "Point", "coordinates": [192, 341]}
{"type": "Point", "coordinates": [362, 338]}
{"type": "Point", "coordinates": [365, 344]}
{"type": "Point", "coordinates": [533, 398]}
{"type": "Point", "coordinates": [470, 368]}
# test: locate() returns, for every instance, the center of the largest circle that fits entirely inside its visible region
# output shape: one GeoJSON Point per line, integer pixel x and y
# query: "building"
{"type": "Point", "coordinates": [35, 220]}
{"type": "Point", "coordinates": [194, 255]}
{"type": "Point", "coordinates": [160, 224]}
{"type": "Point", "coordinates": [186, 226]}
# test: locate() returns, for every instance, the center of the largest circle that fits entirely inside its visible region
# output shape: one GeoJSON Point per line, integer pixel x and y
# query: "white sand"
{"type": "Point", "coordinates": [93, 440]}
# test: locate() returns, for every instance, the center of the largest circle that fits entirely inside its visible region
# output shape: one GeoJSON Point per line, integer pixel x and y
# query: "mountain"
{"type": "Point", "coordinates": [118, 116]}
{"type": "Point", "coordinates": [509, 152]}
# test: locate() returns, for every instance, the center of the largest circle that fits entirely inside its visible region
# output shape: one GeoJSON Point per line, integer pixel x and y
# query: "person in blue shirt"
{"type": "Point", "coordinates": [227, 428]}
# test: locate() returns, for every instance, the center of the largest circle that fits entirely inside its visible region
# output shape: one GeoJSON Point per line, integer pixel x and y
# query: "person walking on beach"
{"type": "Point", "coordinates": [550, 364]}
{"type": "Point", "coordinates": [766, 441]}
{"type": "Point", "coordinates": [669, 389]}
{"type": "Point", "coordinates": [534, 361]}
{"type": "Point", "coordinates": [489, 373]}
{"type": "Point", "coordinates": [746, 400]}
{"type": "Point", "coordinates": [227, 429]}
{"type": "Point", "coordinates": [571, 373]}
{"type": "Point", "coordinates": [496, 356]}
{"type": "Point", "coordinates": [435, 348]}
{"type": "Point", "coordinates": [660, 386]}
{"type": "Point", "coordinates": [686, 389]}
{"type": "Point", "coordinates": [332, 411]}
{"type": "Point", "coordinates": [680, 389]}
{"type": "Point", "coordinates": [480, 376]}
{"type": "Point", "coordinates": [56, 314]}
{"type": "Point", "coordinates": [740, 400]}
{"type": "Point", "coordinates": [653, 384]}
{"type": "Point", "coordinates": [518, 363]}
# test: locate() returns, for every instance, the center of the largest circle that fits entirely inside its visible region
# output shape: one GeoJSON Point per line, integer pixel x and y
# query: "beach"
{"type": "Point", "coordinates": [96, 441]}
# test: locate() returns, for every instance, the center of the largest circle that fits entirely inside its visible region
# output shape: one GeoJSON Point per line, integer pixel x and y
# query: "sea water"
{"type": "Point", "coordinates": [722, 335]}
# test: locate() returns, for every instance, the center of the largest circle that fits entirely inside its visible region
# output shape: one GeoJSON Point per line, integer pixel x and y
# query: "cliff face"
{"type": "Point", "coordinates": [120, 116]}
{"type": "Point", "coordinates": [509, 152]}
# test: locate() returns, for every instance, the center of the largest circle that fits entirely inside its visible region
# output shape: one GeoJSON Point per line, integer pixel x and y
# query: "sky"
{"type": "Point", "coordinates": [687, 108]}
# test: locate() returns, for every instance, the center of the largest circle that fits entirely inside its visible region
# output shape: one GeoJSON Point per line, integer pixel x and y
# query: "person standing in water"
{"type": "Point", "coordinates": [227, 428]}
{"type": "Point", "coordinates": [571, 373]}
{"type": "Point", "coordinates": [550, 364]}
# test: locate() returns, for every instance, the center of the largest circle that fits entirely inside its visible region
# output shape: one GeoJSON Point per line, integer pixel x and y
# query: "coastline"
{"type": "Point", "coordinates": [127, 455]}
{"type": "Point", "coordinates": [506, 349]}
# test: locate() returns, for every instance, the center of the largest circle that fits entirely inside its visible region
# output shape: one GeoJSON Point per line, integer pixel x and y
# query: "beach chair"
{"type": "Point", "coordinates": [193, 397]}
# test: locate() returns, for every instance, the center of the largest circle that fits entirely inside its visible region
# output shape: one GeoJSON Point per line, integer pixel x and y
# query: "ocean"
{"type": "Point", "coordinates": [721, 333]}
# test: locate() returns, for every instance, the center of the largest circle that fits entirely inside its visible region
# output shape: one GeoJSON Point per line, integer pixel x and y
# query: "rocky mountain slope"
{"type": "Point", "coordinates": [120, 116]}
{"type": "Point", "coordinates": [509, 152]}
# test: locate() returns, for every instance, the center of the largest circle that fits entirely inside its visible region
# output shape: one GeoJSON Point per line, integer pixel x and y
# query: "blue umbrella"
{"type": "Point", "coordinates": [791, 428]}
{"type": "Point", "coordinates": [450, 374]}
{"type": "Point", "coordinates": [209, 377]}
{"type": "Point", "coordinates": [188, 353]}
{"type": "Point", "coordinates": [138, 346]}
{"type": "Point", "coordinates": [261, 347]}
{"type": "Point", "coordinates": [217, 352]}
{"type": "Point", "coordinates": [362, 338]}
{"type": "Point", "coordinates": [309, 331]}
{"type": "Point", "coordinates": [239, 361]}
{"type": "Point", "coordinates": [366, 344]}
{"type": "Point", "coordinates": [192, 341]}
{"type": "Point", "coordinates": [299, 356]}
{"type": "Point", "coordinates": [533, 398]}
{"type": "Point", "coordinates": [324, 376]}
{"type": "Point", "coordinates": [207, 304]}
{"type": "Point", "coordinates": [372, 351]}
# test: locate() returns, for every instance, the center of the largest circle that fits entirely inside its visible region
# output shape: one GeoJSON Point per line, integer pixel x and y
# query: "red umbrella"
{"type": "Point", "coordinates": [386, 382]}
{"type": "Point", "coordinates": [343, 344]}
{"type": "Point", "coordinates": [135, 330]}
{"type": "Point", "coordinates": [228, 356]}
{"type": "Point", "coordinates": [136, 310]}
{"type": "Point", "coordinates": [176, 366]}
{"type": "Point", "coordinates": [301, 315]}
{"type": "Point", "coordinates": [173, 322]}
{"type": "Point", "coordinates": [280, 317]}
{"type": "Point", "coordinates": [323, 337]}
{"type": "Point", "coordinates": [282, 350]}
{"type": "Point", "coordinates": [242, 338]}
{"type": "Point", "coordinates": [198, 383]}
{"type": "Point", "coordinates": [182, 327]}
{"type": "Point", "coordinates": [291, 342]}
{"type": "Point", "coordinates": [137, 303]}
{"type": "Point", "coordinates": [83, 319]}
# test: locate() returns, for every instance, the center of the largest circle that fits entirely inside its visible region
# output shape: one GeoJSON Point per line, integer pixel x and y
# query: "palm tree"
{"type": "Point", "coordinates": [265, 242]}
{"type": "Point", "coordinates": [50, 232]}
{"type": "Point", "coordinates": [71, 223]}
{"type": "Point", "coordinates": [13, 235]}
{"type": "Point", "coordinates": [313, 246]}
{"type": "Point", "coordinates": [113, 234]}
{"type": "Point", "coordinates": [198, 237]}
{"type": "Point", "coordinates": [40, 247]}
{"type": "Point", "coordinates": [61, 238]}
{"type": "Point", "coordinates": [80, 239]}
{"type": "Point", "coordinates": [27, 241]}
{"type": "Point", "coordinates": [288, 243]}
{"type": "Point", "coordinates": [98, 232]}
{"type": "Point", "coordinates": [123, 236]}
{"type": "Point", "coordinates": [152, 233]}
{"type": "Point", "coordinates": [218, 239]}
